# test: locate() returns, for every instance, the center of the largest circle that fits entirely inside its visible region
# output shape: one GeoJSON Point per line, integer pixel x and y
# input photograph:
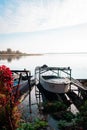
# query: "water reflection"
{"type": "Point", "coordinates": [77, 62]}
{"type": "Point", "coordinates": [9, 58]}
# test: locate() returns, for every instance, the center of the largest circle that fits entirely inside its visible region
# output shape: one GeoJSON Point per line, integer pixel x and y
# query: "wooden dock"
{"type": "Point", "coordinates": [78, 84]}
{"type": "Point", "coordinates": [81, 88]}
{"type": "Point", "coordinates": [76, 94]}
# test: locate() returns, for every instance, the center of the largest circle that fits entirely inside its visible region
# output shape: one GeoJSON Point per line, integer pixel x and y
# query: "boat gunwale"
{"type": "Point", "coordinates": [55, 83]}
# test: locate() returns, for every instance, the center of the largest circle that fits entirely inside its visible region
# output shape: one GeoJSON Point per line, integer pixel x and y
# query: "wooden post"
{"type": "Point", "coordinates": [29, 78]}
{"type": "Point", "coordinates": [70, 79]}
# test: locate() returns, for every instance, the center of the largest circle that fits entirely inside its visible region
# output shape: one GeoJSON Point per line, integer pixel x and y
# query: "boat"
{"type": "Point", "coordinates": [22, 82]}
{"type": "Point", "coordinates": [51, 80]}
{"type": "Point", "coordinates": [23, 86]}
{"type": "Point", "coordinates": [55, 84]}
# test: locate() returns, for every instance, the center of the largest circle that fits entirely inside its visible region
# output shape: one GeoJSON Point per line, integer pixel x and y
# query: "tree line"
{"type": "Point", "coordinates": [10, 51]}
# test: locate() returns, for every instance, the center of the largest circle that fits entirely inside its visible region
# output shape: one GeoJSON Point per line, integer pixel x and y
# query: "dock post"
{"type": "Point", "coordinates": [29, 78]}
{"type": "Point", "coordinates": [29, 92]}
{"type": "Point", "coordinates": [70, 79]}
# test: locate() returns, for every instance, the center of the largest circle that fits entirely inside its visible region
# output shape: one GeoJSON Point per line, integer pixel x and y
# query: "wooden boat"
{"type": "Point", "coordinates": [22, 83]}
{"type": "Point", "coordinates": [53, 82]}
{"type": "Point", "coordinates": [23, 86]}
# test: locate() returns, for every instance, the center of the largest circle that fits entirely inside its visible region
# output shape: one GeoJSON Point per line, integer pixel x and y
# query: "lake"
{"type": "Point", "coordinates": [77, 62]}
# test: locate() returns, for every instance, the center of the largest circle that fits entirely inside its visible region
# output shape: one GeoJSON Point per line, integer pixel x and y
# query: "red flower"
{"type": "Point", "coordinates": [7, 100]}
{"type": "Point", "coordinates": [5, 78]}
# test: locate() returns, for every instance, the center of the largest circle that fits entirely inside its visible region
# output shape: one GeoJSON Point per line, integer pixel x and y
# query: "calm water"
{"type": "Point", "coordinates": [77, 62]}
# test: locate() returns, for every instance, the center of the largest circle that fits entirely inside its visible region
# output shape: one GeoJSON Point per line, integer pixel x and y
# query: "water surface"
{"type": "Point", "coordinates": [77, 62]}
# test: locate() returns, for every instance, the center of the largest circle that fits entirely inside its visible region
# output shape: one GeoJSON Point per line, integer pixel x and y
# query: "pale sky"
{"type": "Point", "coordinates": [43, 25]}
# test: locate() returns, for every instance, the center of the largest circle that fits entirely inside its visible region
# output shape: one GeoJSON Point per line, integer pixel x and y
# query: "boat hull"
{"type": "Point", "coordinates": [55, 85]}
{"type": "Point", "coordinates": [23, 86]}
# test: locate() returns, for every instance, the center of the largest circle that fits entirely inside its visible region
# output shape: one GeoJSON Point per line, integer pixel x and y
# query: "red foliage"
{"type": "Point", "coordinates": [5, 79]}
{"type": "Point", "coordinates": [9, 114]}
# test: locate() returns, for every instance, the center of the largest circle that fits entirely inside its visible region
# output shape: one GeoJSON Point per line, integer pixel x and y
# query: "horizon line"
{"type": "Point", "coordinates": [66, 53]}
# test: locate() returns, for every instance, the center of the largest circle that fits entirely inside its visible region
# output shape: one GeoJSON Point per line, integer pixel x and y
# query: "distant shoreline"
{"type": "Point", "coordinates": [39, 54]}
{"type": "Point", "coordinates": [10, 52]}
{"type": "Point", "coordinates": [20, 54]}
{"type": "Point", "coordinates": [68, 53]}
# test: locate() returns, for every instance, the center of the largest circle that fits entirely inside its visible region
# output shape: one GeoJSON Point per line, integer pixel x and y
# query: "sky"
{"type": "Point", "coordinates": [41, 26]}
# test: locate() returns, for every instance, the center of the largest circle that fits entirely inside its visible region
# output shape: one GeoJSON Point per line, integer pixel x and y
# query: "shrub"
{"type": "Point", "coordinates": [9, 113]}
{"type": "Point", "coordinates": [37, 124]}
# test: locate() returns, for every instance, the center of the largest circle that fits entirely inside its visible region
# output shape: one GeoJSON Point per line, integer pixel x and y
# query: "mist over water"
{"type": "Point", "coordinates": [77, 62]}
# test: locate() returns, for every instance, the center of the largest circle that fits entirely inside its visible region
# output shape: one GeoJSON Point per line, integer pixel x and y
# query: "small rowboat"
{"type": "Point", "coordinates": [54, 79]}
{"type": "Point", "coordinates": [22, 83]}
{"type": "Point", "coordinates": [23, 86]}
{"type": "Point", "coordinates": [55, 84]}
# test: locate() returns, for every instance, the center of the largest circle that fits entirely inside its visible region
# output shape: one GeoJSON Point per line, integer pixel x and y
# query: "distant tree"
{"type": "Point", "coordinates": [9, 51]}
{"type": "Point", "coordinates": [18, 52]}
{"type": "Point", "coordinates": [3, 52]}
